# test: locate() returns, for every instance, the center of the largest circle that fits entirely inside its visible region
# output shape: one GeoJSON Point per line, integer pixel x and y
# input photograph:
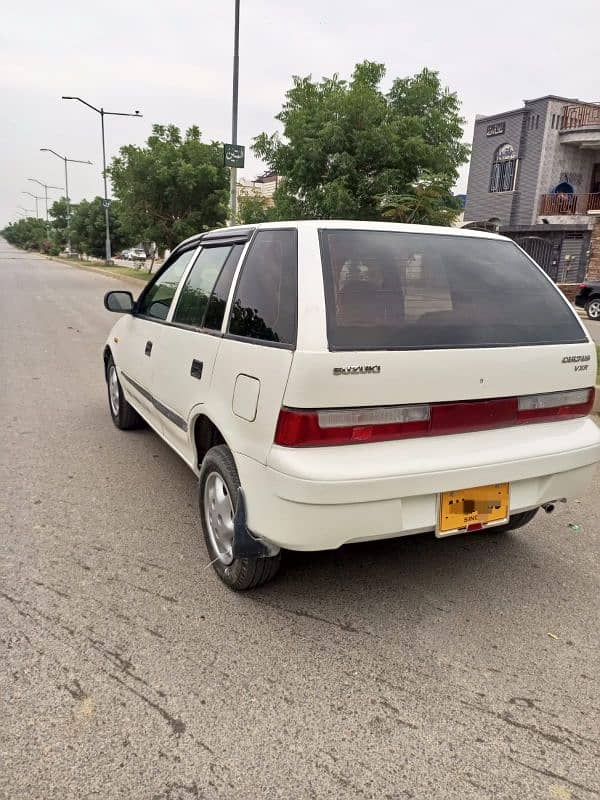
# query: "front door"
{"type": "Point", "coordinates": [186, 348]}
{"type": "Point", "coordinates": [135, 353]}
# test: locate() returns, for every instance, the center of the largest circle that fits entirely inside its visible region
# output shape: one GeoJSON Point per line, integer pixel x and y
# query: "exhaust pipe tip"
{"type": "Point", "coordinates": [548, 507]}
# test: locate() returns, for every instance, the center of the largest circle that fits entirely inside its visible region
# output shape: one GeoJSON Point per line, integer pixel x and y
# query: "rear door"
{"type": "Point", "coordinates": [186, 347]}
{"type": "Point", "coordinates": [256, 352]}
{"type": "Point", "coordinates": [416, 317]}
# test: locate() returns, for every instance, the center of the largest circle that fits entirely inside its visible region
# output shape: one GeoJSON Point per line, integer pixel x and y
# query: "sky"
{"type": "Point", "coordinates": [173, 62]}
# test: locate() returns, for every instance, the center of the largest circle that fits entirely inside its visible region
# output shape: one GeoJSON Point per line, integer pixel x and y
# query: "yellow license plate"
{"type": "Point", "coordinates": [466, 508]}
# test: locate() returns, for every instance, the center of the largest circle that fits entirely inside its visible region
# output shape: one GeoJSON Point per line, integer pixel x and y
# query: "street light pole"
{"type": "Point", "coordinates": [66, 161]}
{"type": "Point", "coordinates": [46, 187]}
{"type": "Point", "coordinates": [234, 110]}
{"type": "Point", "coordinates": [36, 197]}
{"type": "Point", "coordinates": [103, 113]}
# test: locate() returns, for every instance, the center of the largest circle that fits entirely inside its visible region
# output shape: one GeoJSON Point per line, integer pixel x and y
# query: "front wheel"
{"type": "Point", "coordinates": [123, 414]}
{"type": "Point", "coordinates": [218, 496]}
{"type": "Point", "coordinates": [593, 308]}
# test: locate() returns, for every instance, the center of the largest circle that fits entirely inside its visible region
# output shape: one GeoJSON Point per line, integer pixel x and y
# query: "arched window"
{"type": "Point", "coordinates": [504, 169]}
{"type": "Point", "coordinates": [564, 188]}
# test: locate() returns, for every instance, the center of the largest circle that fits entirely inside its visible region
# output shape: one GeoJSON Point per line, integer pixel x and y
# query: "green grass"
{"type": "Point", "coordinates": [126, 272]}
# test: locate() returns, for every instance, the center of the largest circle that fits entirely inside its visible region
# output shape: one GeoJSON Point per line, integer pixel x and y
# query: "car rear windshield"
{"type": "Point", "coordinates": [387, 290]}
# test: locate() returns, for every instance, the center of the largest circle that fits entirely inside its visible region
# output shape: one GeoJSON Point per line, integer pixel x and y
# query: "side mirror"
{"type": "Point", "coordinates": [121, 302]}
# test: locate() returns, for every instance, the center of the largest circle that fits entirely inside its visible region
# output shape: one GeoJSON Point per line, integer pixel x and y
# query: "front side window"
{"type": "Point", "coordinates": [403, 291]}
{"type": "Point", "coordinates": [265, 305]}
{"type": "Point", "coordinates": [156, 302]}
{"type": "Point", "coordinates": [504, 169]}
{"type": "Point", "coordinates": [193, 300]}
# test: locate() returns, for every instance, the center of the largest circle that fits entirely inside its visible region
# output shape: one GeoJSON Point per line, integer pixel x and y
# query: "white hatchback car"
{"type": "Point", "coordinates": [335, 382]}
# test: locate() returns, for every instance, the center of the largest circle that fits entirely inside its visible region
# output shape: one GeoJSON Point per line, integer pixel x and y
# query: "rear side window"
{"type": "Point", "coordinates": [195, 293]}
{"type": "Point", "coordinates": [266, 298]}
{"type": "Point", "coordinates": [220, 294]}
{"type": "Point", "coordinates": [386, 290]}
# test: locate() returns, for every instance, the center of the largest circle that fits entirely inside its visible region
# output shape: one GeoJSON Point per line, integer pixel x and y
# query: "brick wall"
{"type": "Point", "coordinates": [593, 271]}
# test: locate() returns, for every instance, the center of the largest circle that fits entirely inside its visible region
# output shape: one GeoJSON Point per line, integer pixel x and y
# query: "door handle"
{"type": "Point", "coordinates": [148, 349]}
{"type": "Point", "coordinates": [196, 370]}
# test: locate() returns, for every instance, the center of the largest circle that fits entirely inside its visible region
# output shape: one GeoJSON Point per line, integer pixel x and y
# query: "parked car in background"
{"type": "Point", "coordinates": [338, 382]}
{"type": "Point", "coordinates": [125, 255]}
{"type": "Point", "coordinates": [588, 297]}
{"type": "Point", "coordinates": [137, 254]}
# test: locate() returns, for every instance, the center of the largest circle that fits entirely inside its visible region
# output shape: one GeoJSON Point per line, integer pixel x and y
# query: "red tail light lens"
{"type": "Point", "coordinates": [336, 426]}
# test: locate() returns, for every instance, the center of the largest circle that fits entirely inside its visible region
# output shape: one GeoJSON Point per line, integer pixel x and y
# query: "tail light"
{"type": "Point", "coordinates": [336, 426]}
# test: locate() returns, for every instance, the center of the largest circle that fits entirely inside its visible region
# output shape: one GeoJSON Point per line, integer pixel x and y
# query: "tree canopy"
{"type": "Point", "coordinates": [170, 188]}
{"type": "Point", "coordinates": [28, 233]}
{"type": "Point", "coordinates": [349, 150]}
{"type": "Point", "coordinates": [88, 231]}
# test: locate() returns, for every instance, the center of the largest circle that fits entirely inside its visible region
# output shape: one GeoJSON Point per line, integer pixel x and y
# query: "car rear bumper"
{"type": "Point", "coordinates": [321, 498]}
{"type": "Point", "coordinates": [581, 300]}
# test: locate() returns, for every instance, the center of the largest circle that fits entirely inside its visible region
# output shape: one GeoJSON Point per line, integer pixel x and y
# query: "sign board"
{"type": "Point", "coordinates": [495, 129]}
{"type": "Point", "coordinates": [106, 203]}
{"type": "Point", "coordinates": [233, 155]}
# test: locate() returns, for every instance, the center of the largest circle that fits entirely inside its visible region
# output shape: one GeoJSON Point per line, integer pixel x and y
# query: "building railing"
{"type": "Point", "coordinates": [569, 203]}
{"type": "Point", "coordinates": [580, 116]}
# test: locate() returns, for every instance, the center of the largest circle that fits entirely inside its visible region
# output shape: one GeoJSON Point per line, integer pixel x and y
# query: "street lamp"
{"type": "Point", "coordinates": [67, 161]}
{"type": "Point", "coordinates": [234, 110]}
{"type": "Point", "coordinates": [104, 113]}
{"type": "Point", "coordinates": [46, 187]}
{"type": "Point", "coordinates": [36, 197]}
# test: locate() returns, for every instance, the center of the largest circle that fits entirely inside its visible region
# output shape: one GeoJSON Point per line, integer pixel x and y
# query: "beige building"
{"type": "Point", "coordinates": [263, 186]}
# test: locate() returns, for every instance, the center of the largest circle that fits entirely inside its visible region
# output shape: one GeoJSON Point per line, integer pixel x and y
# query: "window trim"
{"type": "Point", "coordinates": [329, 296]}
{"type": "Point", "coordinates": [234, 287]}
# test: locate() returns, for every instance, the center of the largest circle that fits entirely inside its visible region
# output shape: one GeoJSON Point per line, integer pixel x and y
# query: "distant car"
{"type": "Point", "coordinates": [137, 254]}
{"type": "Point", "coordinates": [589, 298]}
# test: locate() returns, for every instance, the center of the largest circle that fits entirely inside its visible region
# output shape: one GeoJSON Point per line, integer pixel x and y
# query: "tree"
{"type": "Point", "coordinates": [348, 149]}
{"type": "Point", "coordinates": [28, 233]}
{"type": "Point", "coordinates": [59, 214]}
{"type": "Point", "coordinates": [172, 187]}
{"type": "Point", "coordinates": [254, 208]}
{"type": "Point", "coordinates": [88, 227]}
{"type": "Point", "coordinates": [429, 202]}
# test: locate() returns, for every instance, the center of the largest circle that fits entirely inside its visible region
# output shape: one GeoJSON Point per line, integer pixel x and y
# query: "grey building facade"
{"type": "Point", "coordinates": [536, 166]}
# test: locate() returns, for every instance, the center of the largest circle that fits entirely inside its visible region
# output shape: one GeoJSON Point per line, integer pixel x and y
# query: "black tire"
{"type": "Point", "coordinates": [240, 573]}
{"type": "Point", "coordinates": [515, 521]}
{"type": "Point", "coordinates": [592, 308]}
{"type": "Point", "coordinates": [123, 415]}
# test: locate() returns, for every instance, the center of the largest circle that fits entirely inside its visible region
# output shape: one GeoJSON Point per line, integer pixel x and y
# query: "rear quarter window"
{"type": "Point", "coordinates": [387, 290]}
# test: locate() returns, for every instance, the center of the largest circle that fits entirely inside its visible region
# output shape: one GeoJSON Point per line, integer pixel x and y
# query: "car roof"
{"type": "Point", "coordinates": [340, 224]}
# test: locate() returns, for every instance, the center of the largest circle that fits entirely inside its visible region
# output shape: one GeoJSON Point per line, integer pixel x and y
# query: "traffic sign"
{"type": "Point", "coordinates": [233, 155]}
{"type": "Point", "coordinates": [106, 203]}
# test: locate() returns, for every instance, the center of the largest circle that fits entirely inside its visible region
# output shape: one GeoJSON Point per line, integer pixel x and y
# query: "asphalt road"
{"type": "Point", "coordinates": [415, 668]}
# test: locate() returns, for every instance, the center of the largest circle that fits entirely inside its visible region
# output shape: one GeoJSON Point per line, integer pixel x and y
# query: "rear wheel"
{"type": "Point", "coordinates": [218, 495]}
{"type": "Point", "coordinates": [123, 415]}
{"type": "Point", "coordinates": [593, 308]}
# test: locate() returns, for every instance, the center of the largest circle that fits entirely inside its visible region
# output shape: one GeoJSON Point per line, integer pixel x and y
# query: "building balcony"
{"type": "Point", "coordinates": [580, 125]}
{"type": "Point", "coordinates": [560, 204]}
